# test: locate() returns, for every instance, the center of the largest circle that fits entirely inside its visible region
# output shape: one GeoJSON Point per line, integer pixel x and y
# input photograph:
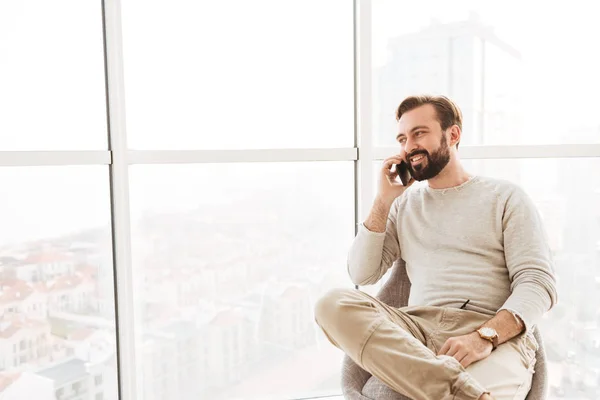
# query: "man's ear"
{"type": "Point", "coordinates": [455, 135]}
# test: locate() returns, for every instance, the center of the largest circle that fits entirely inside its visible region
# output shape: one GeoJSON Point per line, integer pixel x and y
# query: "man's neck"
{"type": "Point", "coordinates": [451, 176]}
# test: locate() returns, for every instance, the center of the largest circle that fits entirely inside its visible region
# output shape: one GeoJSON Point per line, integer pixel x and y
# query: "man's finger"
{"type": "Point", "coordinates": [468, 360]}
{"type": "Point", "coordinates": [390, 161]}
{"type": "Point", "coordinates": [453, 351]}
{"type": "Point", "coordinates": [461, 355]}
{"type": "Point", "coordinates": [444, 349]}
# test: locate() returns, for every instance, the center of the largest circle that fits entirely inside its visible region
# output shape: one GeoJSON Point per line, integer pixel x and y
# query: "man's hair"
{"type": "Point", "coordinates": [447, 111]}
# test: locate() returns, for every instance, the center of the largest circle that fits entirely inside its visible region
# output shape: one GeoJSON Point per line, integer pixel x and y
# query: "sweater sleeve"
{"type": "Point", "coordinates": [373, 253]}
{"type": "Point", "coordinates": [528, 259]}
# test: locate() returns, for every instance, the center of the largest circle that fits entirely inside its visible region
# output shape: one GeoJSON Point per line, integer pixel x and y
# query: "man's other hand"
{"type": "Point", "coordinates": [467, 349]}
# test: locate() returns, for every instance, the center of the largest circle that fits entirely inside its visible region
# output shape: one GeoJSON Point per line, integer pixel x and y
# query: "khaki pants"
{"type": "Point", "coordinates": [399, 346]}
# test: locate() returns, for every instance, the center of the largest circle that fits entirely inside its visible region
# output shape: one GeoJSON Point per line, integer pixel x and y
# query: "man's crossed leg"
{"type": "Point", "coordinates": [400, 346]}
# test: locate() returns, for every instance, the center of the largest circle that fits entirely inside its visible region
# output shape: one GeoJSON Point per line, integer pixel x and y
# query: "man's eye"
{"type": "Point", "coordinates": [419, 133]}
{"type": "Point", "coordinates": [402, 141]}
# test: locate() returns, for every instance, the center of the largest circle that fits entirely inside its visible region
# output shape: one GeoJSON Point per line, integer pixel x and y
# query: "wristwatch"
{"type": "Point", "coordinates": [489, 334]}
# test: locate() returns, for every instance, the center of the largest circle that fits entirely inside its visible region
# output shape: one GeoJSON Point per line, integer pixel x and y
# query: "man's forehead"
{"type": "Point", "coordinates": [421, 115]}
{"type": "Point", "coordinates": [410, 124]}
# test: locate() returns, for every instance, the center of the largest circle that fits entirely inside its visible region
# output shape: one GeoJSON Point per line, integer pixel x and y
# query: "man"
{"type": "Point", "coordinates": [479, 264]}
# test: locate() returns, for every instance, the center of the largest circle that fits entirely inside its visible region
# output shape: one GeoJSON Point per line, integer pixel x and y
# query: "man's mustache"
{"type": "Point", "coordinates": [416, 153]}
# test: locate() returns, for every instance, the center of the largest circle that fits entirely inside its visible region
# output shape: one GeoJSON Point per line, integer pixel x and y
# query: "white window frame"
{"type": "Point", "coordinates": [118, 157]}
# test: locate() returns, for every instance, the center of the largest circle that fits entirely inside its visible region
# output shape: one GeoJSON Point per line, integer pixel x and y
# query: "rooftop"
{"type": "Point", "coordinates": [46, 257]}
{"type": "Point", "coordinates": [65, 372]}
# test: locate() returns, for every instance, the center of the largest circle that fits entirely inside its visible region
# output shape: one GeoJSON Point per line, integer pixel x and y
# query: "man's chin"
{"type": "Point", "coordinates": [418, 175]}
{"type": "Point", "coordinates": [421, 176]}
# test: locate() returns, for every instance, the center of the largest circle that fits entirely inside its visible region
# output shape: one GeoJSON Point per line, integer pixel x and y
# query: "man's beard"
{"type": "Point", "coordinates": [434, 164]}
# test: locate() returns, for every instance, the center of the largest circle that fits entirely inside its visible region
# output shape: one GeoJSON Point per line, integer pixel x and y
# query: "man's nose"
{"type": "Point", "coordinates": [409, 147]}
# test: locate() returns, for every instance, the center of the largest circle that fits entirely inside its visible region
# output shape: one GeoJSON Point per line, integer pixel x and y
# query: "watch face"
{"type": "Point", "coordinates": [488, 332]}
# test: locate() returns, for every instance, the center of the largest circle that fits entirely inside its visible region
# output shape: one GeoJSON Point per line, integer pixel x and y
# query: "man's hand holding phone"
{"type": "Point", "coordinates": [390, 185]}
{"type": "Point", "coordinates": [389, 189]}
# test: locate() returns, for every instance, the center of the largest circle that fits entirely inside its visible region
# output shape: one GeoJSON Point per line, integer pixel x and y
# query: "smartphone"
{"type": "Point", "coordinates": [403, 173]}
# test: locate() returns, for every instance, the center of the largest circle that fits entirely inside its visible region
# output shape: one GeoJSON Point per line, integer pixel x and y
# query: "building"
{"type": "Point", "coordinates": [26, 385]}
{"type": "Point", "coordinates": [72, 293]}
{"type": "Point", "coordinates": [23, 342]}
{"type": "Point", "coordinates": [76, 379]}
{"type": "Point", "coordinates": [286, 318]}
{"type": "Point", "coordinates": [231, 338]}
{"type": "Point", "coordinates": [45, 265]}
{"type": "Point", "coordinates": [159, 369]}
{"type": "Point", "coordinates": [23, 299]}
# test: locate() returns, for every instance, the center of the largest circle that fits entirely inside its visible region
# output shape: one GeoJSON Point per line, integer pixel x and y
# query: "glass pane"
{"type": "Point", "coordinates": [232, 258]}
{"type": "Point", "coordinates": [239, 74]}
{"type": "Point", "coordinates": [567, 193]}
{"type": "Point", "coordinates": [52, 94]}
{"type": "Point", "coordinates": [57, 325]}
{"type": "Point", "coordinates": [514, 84]}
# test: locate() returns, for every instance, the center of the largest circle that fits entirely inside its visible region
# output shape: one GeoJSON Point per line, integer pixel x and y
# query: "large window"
{"type": "Point", "coordinates": [230, 259]}
{"type": "Point", "coordinates": [181, 183]}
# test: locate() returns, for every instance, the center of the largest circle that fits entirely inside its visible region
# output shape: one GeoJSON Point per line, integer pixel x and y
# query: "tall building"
{"type": "Point", "coordinates": [463, 60]}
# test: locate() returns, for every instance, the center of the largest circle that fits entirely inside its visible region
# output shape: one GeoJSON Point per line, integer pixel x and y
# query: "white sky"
{"type": "Point", "coordinates": [234, 74]}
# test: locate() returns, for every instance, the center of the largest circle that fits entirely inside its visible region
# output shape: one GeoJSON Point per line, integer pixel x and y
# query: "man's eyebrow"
{"type": "Point", "coordinates": [412, 130]}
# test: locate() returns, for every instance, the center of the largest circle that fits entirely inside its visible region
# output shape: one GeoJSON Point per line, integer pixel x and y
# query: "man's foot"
{"type": "Point", "coordinates": [486, 397]}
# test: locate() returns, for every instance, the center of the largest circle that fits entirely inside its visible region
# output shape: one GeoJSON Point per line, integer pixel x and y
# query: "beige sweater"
{"type": "Point", "coordinates": [481, 241]}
